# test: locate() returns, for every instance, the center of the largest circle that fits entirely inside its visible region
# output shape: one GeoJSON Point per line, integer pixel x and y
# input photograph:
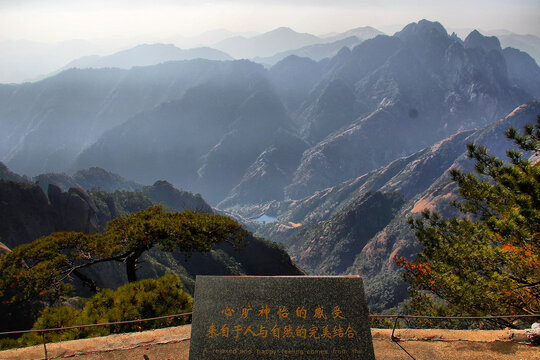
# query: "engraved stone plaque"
{"type": "Point", "coordinates": [280, 318]}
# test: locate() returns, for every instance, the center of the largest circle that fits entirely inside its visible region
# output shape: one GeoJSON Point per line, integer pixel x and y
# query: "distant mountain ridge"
{"type": "Point", "coordinates": [527, 43]}
{"type": "Point", "coordinates": [267, 44]}
{"type": "Point", "coordinates": [146, 55]}
{"type": "Point", "coordinates": [29, 61]}
{"type": "Point", "coordinates": [213, 133]}
{"type": "Point", "coordinates": [362, 33]}
{"type": "Point", "coordinates": [328, 47]}
{"type": "Point", "coordinates": [72, 109]}
{"type": "Point", "coordinates": [316, 52]}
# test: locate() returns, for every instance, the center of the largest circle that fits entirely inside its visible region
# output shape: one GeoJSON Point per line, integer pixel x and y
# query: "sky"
{"type": "Point", "coordinates": [60, 20]}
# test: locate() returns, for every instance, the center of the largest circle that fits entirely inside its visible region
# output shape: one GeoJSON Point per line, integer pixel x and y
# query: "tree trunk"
{"type": "Point", "coordinates": [131, 268]}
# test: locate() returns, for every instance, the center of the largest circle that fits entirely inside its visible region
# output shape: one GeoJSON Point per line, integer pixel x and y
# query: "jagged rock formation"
{"type": "Point", "coordinates": [477, 40]}
{"type": "Point", "coordinates": [28, 214]}
{"type": "Point", "coordinates": [74, 210]}
{"type": "Point", "coordinates": [63, 181]}
{"type": "Point", "coordinates": [410, 90]}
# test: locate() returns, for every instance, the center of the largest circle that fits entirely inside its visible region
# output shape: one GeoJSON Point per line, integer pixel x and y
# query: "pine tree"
{"type": "Point", "coordinates": [40, 273]}
{"type": "Point", "coordinates": [486, 262]}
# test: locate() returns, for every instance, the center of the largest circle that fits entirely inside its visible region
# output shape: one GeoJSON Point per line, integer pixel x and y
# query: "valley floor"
{"type": "Point", "coordinates": [173, 343]}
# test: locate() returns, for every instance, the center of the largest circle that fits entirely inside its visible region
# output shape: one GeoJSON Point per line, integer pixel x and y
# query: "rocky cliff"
{"type": "Point", "coordinates": [27, 213]}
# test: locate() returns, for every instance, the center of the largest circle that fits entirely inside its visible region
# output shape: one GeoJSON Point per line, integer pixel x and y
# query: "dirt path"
{"type": "Point", "coordinates": [173, 343]}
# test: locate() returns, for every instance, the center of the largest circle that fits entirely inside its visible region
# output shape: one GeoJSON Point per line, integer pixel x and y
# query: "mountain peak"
{"type": "Point", "coordinates": [267, 44]}
{"type": "Point", "coordinates": [422, 28]}
{"type": "Point", "coordinates": [283, 29]}
{"type": "Point", "coordinates": [286, 32]}
{"type": "Point", "coordinates": [371, 28]}
{"type": "Point", "coordinates": [476, 40]}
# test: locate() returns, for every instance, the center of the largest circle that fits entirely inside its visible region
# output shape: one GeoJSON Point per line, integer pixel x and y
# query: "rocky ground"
{"type": "Point", "coordinates": [173, 343]}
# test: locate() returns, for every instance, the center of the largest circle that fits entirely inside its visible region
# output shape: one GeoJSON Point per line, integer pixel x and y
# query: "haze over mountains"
{"type": "Point", "coordinates": [214, 120]}
{"type": "Point", "coordinates": [338, 148]}
{"type": "Point", "coordinates": [22, 61]}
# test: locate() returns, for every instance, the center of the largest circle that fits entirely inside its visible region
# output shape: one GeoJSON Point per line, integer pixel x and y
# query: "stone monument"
{"type": "Point", "coordinates": [251, 317]}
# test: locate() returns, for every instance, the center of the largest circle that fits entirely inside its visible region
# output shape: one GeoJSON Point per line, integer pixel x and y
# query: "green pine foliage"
{"type": "Point", "coordinates": [125, 202]}
{"type": "Point", "coordinates": [138, 300]}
